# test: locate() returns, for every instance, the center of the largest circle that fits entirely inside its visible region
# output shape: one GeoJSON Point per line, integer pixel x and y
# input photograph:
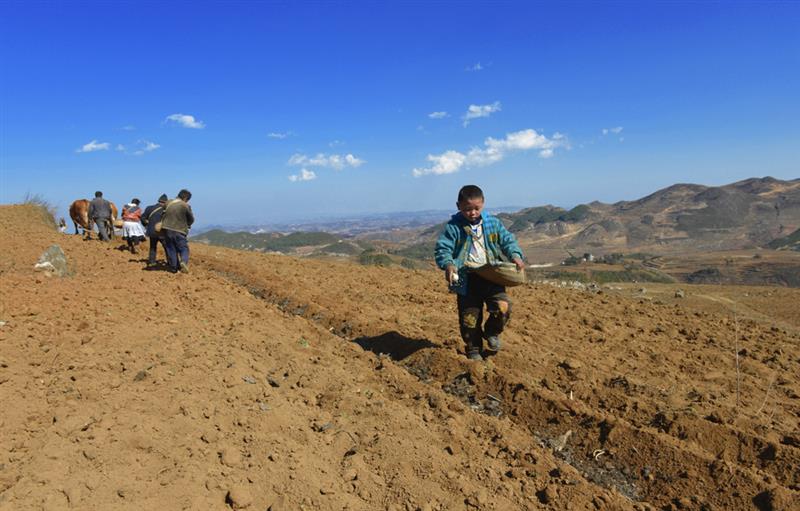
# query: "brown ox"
{"type": "Point", "coordinates": [79, 213]}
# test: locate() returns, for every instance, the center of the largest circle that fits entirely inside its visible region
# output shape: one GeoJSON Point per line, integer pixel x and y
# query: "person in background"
{"type": "Point", "coordinates": [100, 214]}
{"type": "Point", "coordinates": [151, 216]}
{"type": "Point", "coordinates": [175, 224]}
{"type": "Point", "coordinates": [62, 225]}
{"type": "Point", "coordinates": [132, 230]}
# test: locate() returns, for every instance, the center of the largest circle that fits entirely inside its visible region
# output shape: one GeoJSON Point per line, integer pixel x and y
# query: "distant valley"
{"type": "Point", "coordinates": [652, 234]}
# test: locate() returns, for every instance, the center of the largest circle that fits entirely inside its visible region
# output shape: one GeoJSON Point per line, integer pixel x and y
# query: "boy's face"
{"type": "Point", "coordinates": [471, 209]}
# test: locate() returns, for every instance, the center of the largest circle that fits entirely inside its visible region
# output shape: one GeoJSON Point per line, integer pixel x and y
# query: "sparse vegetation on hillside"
{"type": "Point", "coordinates": [433, 232]}
{"type": "Point", "coordinates": [422, 251]}
{"type": "Point", "coordinates": [705, 276]}
{"type": "Point", "coordinates": [724, 210]}
{"type": "Point", "coordinates": [341, 247]}
{"type": "Point", "coordinates": [791, 242]}
{"type": "Point", "coordinates": [374, 258]}
{"type": "Point", "coordinates": [604, 276]}
{"type": "Point", "coordinates": [411, 264]}
{"type": "Point", "coordinates": [544, 214]}
{"type": "Point", "coordinates": [268, 242]}
{"type": "Point", "coordinates": [44, 208]}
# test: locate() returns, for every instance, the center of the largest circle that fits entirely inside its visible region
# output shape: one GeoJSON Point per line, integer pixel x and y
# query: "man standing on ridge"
{"type": "Point", "coordinates": [150, 217]}
{"type": "Point", "coordinates": [100, 214]}
{"type": "Point", "coordinates": [175, 224]}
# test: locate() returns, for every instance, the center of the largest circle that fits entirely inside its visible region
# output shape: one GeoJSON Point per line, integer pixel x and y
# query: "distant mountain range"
{"type": "Point", "coordinates": [756, 212]}
{"type": "Point", "coordinates": [746, 214]}
{"type": "Point", "coordinates": [351, 225]}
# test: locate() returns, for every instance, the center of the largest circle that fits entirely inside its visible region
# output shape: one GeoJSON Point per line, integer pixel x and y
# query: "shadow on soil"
{"type": "Point", "coordinates": [394, 344]}
{"type": "Point", "coordinates": [158, 266]}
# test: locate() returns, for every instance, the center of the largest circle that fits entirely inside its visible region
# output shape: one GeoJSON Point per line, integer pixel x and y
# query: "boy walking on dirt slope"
{"type": "Point", "coordinates": [471, 240]}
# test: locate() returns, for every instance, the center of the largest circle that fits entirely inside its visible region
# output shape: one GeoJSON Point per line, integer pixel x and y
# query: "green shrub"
{"type": "Point", "coordinates": [273, 242]}
{"type": "Point", "coordinates": [408, 263]}
{"type": "Point", "coordinates": [340, 248]}
{"type": "Point", "coordinates": [422, 251]}
{"type": "Point", "coordinates": [371, 257]}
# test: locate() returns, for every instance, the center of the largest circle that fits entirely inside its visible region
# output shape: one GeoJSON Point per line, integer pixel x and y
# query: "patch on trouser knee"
{"type": "Point", "coordinates": [469, 320]}
{"type": "Point", "coordinates": [500, 310]}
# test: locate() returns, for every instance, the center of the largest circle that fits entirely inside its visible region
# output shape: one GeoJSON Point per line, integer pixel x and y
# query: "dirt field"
{"type": "Point", "coordinates": [272, 382]}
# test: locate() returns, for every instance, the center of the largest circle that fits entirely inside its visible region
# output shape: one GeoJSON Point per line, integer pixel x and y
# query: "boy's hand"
{"type": "Point", "coordinates": [449, 272]}
{"type": "Point", "coordinates": [519, 263]}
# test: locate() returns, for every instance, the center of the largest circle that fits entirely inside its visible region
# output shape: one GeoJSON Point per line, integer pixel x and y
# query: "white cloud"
{"type": "Point", "coordinates": [493, 151]}
{"type": "Point", "coordinates": [336, 161]}
{"type": "Point", "coordinates": [474, 67]}
{"type": "Point", "coordinates": [305, 175]}
{"type": "Point", "coordinates": [438, 115]}
{"type": "Point", "coordinates": [120, 148]}
{"type": "Point", "coordinates": [185, 120]}
{"type": "Point", "coordinates": [92, 146]}
{"type": "Point", "coordinates": [145, 146]}
{"type": "Point", "coordinates": [478, 111]}
{"type": "Point", "coordinates": [445, 163]}
{"type": "Point", "coordinates": [128, 128]}
{"type": "Point", "coordinates": [335, 143]}
{"type": "Point", "coordinates": [353, 161]}
{"type": "Point", "coordinates": [280, 135]}
{"type": "Point", "coordinates": [617, 130]}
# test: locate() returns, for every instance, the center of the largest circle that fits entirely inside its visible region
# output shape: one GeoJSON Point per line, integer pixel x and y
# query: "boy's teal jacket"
{"type": "Point", "coordinates": [455, 241]}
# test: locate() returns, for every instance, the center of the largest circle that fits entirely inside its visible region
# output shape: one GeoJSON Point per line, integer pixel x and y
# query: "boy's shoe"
{"type": "Point", "coordinates": [474, 355]}
{"type": "Point", "coordinates": [184, 268]}
{"type": "Point", "coordinates": [494, 343]}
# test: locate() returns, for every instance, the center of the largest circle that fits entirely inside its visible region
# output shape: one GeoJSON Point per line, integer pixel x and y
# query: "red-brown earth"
{"type": "Point", "coordinates": [273, 382]}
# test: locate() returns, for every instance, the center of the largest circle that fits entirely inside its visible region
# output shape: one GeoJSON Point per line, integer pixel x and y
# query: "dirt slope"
{"type": "Point", "coordinates": [258, 381]}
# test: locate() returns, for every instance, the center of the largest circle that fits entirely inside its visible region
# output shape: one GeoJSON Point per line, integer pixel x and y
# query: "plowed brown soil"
{"type": "Point", "coordinates": [260, 381]}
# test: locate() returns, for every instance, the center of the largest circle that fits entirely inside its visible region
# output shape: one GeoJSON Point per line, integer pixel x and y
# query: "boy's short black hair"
{"type": "Point", "coordinates": [185, 194]}
{"type": "Point", "coordinates": [469, 192]}
{"type": "Point", "coordinates": [98, 194]}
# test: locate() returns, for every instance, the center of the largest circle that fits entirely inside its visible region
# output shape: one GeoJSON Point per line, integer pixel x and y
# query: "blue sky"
{"type": "Point", "coordinates": [278, 111]}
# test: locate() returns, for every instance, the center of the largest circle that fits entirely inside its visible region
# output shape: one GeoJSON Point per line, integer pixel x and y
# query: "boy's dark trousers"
{"type": "Point", "coordinates": [154, 241]}
{"type": "Point", "coordinates": [470, 311]}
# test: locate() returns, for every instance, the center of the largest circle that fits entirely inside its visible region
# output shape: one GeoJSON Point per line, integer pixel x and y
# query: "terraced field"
{"type": "Point", "coordinates": [275, 382]}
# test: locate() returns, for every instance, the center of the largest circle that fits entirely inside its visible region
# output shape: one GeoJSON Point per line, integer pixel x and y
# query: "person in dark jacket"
{"type": "Point", "coordinates": [100, 214]}
{"type": "Point", "coordinates": [150, 217]}
{"type": "Point", "coordinates": [175, 224]}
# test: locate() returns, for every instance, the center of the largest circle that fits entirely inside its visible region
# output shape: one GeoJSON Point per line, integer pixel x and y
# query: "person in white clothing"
{"type": "Point", "coordinates": [132, 229]}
